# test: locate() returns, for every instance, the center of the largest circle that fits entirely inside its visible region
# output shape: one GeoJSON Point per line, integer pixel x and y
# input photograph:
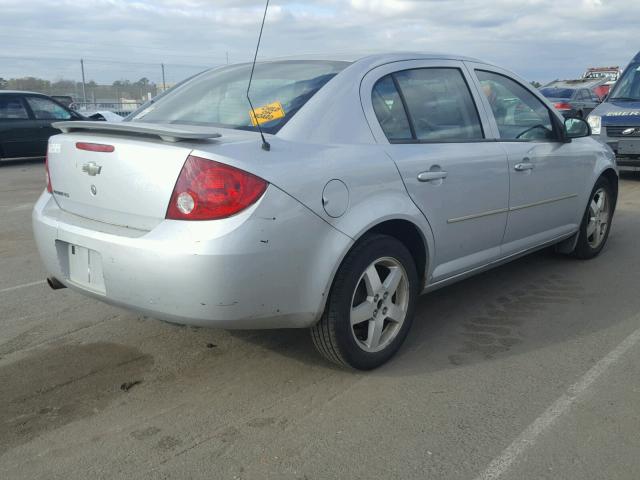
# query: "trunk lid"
{"type": "Point", "coordinates": [130, 186]}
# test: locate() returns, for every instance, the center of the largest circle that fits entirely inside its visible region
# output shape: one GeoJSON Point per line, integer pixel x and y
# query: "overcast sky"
{"type": "Point", "coordinates": [539, 39]}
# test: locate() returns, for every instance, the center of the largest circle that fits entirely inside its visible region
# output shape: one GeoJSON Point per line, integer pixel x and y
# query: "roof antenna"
{"type": "Point", "coordinates": [265, 145]}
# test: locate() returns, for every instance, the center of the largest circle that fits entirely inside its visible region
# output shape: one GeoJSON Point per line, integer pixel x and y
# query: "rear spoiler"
{"type": "Point", "coordinates": [166, 132]}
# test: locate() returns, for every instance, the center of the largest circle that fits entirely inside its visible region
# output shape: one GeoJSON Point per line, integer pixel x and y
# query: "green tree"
{"type": "Point", "coordinates": [3, 84]}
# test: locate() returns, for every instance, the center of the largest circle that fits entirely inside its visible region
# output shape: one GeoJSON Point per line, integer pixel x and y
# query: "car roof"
{"type": "Point", "coordinates": [21, 92]}
{"type": "Point", "coordinates": [383, 57]}
{"type": "Point", "coordinates": [636, 58]}
{"type": "Point", "coordinates": [361, 63]}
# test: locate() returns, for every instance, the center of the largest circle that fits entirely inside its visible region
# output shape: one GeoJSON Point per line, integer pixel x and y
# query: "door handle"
{"type": "Point", "coordinates": [432, 175]}
{"type": "Point", "coordinates": [524, 166]}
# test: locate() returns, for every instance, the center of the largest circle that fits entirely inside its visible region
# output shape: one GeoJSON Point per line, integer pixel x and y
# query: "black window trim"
{"type": "Point", "coordinates": [414, 139]}
{"type": "Point", "coordinates": [555, 122]}
{"type": "Point", "coordinates": [407, 113]}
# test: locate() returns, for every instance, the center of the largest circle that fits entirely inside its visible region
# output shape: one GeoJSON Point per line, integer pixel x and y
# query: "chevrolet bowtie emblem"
{"type": "Point", "coordinates": [92, 168]}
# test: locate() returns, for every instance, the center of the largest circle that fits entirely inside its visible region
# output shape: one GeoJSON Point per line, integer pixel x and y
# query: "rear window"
{"type": "Point", "coordinates": [557, 92]}
{"type": "Point", "coordinates": [218, 97]}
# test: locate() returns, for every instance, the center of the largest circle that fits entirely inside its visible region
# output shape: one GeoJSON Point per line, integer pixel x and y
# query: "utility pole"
{"type": "Point", "coordinates": [164, 84]}
{"type": "Point", "coordinates": [84, 86]}
{"type": "Point", "coordinates": [227, 58]}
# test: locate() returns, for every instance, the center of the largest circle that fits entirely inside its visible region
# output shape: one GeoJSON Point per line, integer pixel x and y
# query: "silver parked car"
{"type": "Point", "coordinates": [386, 177]}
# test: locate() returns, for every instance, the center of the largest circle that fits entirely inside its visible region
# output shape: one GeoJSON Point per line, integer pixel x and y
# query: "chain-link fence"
{"type": "Point", "coordinates": [117, 85]}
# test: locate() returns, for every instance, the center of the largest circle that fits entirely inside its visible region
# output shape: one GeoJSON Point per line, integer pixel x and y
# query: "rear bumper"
{"type": "Point", "coordinates": [268, 267]}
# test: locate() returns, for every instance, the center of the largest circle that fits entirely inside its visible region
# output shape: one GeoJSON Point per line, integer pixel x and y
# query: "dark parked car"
{"type": "Point", "coordinates": [25, 123]}
{"type": "Point", "coordinates": [571, 101]}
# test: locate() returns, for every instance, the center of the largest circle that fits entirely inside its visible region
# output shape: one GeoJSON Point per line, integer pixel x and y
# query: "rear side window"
{"type": "Point", "coordinates": [437, 106]}
{"type": "Point", "coordinates": [520, 115]}
{"type": "Point", "coordinates": [45, 109]}
{"type": "Point", "coordinates": [11, 108]}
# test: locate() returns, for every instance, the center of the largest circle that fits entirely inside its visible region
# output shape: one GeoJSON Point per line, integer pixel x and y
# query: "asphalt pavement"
{"type": "Point", "coordinates": [529, 371]}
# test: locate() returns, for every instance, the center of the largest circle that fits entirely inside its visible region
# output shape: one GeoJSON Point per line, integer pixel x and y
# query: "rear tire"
{"type": "Point", "coordinates": [596, 222]}
{"type": "Point", "coordinates": [371, 305]}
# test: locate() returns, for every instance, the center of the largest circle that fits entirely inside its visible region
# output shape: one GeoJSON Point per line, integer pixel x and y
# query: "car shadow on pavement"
{"type": "Point", "coordinates": [527, 304]}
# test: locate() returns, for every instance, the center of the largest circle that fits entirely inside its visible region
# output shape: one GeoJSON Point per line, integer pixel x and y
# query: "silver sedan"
{"type": "Point", "coordinates": [378, 179]}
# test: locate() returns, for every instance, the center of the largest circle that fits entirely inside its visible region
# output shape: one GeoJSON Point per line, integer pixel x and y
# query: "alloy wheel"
{"type": "Point", "coordinates": [598, 218]}
{"type": "Point", "coordinates": [379, 304]}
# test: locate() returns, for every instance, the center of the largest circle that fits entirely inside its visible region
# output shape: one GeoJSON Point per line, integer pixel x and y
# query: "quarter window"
{"type": "Point", "coordinates": [11, 108]}
{"type": "Point", "coordinates": [45, 109]}
{"type": "Point", "coordinates": [520, 115]}
{"type": "Point", "coordinates": [426, 105]}
{"type": "Point", "coordinates": [390, 110]}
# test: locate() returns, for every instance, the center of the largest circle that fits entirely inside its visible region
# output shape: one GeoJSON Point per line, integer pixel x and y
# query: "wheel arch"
{"type": "Point", "coordinates": [410, 236]}
{"type": "Point", "coordinates": [406, 231]}
{"type": "Point", "coordinates": [611, 175]}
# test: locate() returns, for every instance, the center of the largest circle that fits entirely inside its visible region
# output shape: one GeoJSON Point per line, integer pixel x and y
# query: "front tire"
{"type": "Point", "coordinates": [371, 304]}
{"type": "Point", "coordinates": [596, 223]}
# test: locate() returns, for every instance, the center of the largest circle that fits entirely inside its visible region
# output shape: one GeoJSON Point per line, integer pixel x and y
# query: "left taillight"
{"type": "Point", "coordinates": [46, 170]}
{"type": "Point", "coordinates": [208, 190]}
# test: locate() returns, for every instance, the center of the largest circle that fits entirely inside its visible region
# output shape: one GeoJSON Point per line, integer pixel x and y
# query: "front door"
{"type": "Point", "coordinates": [427, 116]}
{"type": "Point", "coordinates": [547, 174]}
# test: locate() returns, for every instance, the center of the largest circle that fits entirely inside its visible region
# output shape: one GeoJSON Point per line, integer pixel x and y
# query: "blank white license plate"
{"type": "Point", "coordinates": [85, 268]}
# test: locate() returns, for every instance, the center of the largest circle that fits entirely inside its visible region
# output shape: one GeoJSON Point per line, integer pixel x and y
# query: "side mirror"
{"type": "Point", "coordinates": [577, 128]}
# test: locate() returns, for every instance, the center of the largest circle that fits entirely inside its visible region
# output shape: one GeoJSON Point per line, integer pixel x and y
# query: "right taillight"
{"type": "Point", "coordinates": [208, 190]}
{"type": "Point", "coordinates": [46, 170]}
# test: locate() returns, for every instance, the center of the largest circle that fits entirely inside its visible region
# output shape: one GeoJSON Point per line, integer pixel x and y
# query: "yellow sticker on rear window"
{"type": "Point", "coordinates": [267, 113]}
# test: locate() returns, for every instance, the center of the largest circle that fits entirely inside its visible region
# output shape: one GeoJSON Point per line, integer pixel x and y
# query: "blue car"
{"type": "Point", "coordinates": [616, 121]}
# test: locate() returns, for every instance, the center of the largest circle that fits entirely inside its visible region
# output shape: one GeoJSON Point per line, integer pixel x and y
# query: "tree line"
{"type": "Point", "coordinates": [120, 89]}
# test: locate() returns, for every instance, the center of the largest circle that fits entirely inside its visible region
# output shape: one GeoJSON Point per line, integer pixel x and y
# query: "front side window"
{"type": "Point", "coordinates": [45, 109]}
{"type": "Point", "coordinates": [437, 106]}
{"type": "Point", "coordinates": [11, 108]}
{"type": "Point", "coordinates": [520, 115]}
{"type": "Point", "coordinates": [219, 97]}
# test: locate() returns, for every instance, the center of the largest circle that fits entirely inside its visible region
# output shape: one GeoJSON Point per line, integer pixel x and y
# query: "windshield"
{"type": "Point", "coordinates": [557, 92]}
{"type": "Point", "coordinates": [628, 87]}
{"type": "Point", "coordinates": [218, 97]}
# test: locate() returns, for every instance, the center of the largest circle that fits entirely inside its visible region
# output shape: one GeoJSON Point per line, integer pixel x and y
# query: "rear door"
{"type": "Point", "coordinates": [426, 116]}
{"type": "Point", "coordinates": [547, 175]}
{"type": "Point", "coordinates": [17, 129]}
